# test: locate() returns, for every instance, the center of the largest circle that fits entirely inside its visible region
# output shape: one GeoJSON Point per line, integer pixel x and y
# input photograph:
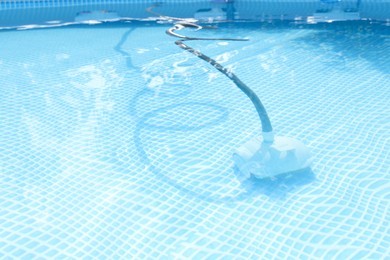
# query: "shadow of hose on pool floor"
{"type": "Point", "coordinates": [277, 187]}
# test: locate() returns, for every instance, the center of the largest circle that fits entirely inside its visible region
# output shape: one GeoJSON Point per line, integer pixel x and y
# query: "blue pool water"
{"type": "Point", "coordinates": [115, 143]}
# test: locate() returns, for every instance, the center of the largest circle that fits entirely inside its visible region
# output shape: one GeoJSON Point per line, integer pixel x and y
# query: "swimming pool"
{"type": "Point", "coordinates": [114, 145]}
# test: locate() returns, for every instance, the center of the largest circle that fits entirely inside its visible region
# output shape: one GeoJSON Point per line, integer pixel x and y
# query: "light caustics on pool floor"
{"type": "Point", "coordinates": [113, 146]}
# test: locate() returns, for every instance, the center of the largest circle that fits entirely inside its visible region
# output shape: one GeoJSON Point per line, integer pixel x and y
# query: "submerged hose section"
{"type": "Point", "coordinates": [265, 121]}
{"type": "Point", "coordinates": [183, 23]}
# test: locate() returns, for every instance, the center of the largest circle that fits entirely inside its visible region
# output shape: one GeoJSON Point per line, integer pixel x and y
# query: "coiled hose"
{"type": "Point", "coordinates": [183, 23]}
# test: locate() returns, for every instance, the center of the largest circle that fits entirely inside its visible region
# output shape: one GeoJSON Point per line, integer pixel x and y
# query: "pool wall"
{"type": "Point", "coordinates": [22, 12]}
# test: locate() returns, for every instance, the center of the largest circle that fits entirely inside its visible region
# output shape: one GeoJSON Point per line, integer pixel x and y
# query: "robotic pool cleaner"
{"type": "Point", "coordinates": [265, 156]}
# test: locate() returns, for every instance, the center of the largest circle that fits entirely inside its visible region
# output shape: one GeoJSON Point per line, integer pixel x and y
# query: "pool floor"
{"type": "Point", "coordinates": [115, 143]}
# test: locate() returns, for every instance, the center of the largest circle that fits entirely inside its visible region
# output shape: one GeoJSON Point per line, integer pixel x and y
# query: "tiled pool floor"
{"type": "Point", "coordinates": [116, 143]}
